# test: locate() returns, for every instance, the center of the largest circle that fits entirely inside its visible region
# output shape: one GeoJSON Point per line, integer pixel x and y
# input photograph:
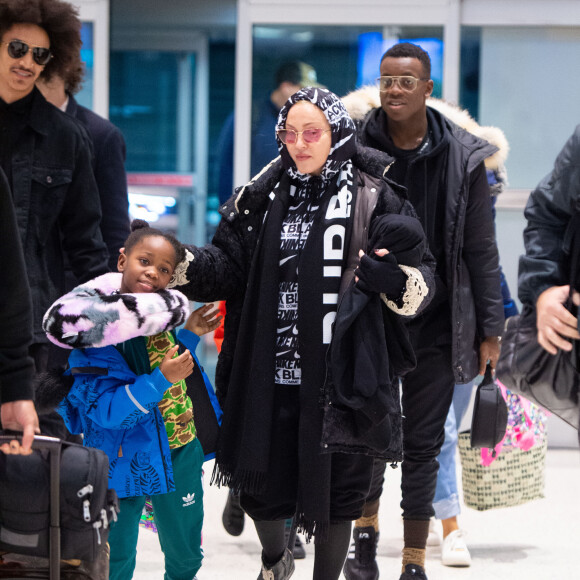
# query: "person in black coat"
{"type": "Point", "coordinates": [543, 275]}
{"type": "Point", "coordinates": [47, 158]}
{"type": "Point", "coordinates": [45, 154]}
{"type": "Point", "coordinates": [16, 367]}
{"type": "Point", "coordinates": [109, 155]}
{"type": "Point", "coordinates": [285, 251]}
{"type": "Point", "coordinates": [442, 167]}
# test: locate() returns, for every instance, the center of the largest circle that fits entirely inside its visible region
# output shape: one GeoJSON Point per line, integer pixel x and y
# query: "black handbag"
{"type": "Point", "coordinates": [524, 367]}
{"type": "Point", "coordinates": [489, 420]}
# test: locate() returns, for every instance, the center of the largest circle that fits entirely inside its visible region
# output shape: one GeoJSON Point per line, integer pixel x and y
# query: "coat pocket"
{"type": "Point", "coordinates": [51, 177]}
{"type": "Point", "coordinates": [49, 189]}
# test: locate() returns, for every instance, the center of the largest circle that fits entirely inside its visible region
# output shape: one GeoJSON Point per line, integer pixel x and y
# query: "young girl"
{"type": "Point", "coordinates": [129, 395]}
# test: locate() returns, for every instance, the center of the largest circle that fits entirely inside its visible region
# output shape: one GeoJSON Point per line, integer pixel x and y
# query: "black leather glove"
{"type": "Point", "coordinates": [381, 275]}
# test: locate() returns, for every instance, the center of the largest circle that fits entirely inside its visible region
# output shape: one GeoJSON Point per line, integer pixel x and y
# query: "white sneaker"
{"type": "Point", "coordinates": [434, 538]}
{"type": "Point", "coordinates": [454, 551]}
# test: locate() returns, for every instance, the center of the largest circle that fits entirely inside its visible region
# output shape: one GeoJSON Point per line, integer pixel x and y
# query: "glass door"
{"type": "Point", "coordinates": [158, 98]}
{"type": "Point", "coordinates": [94, 94]}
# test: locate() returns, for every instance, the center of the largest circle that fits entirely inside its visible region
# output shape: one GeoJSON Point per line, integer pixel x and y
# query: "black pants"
{"type": "Point", "coordinates": [350, 474]}
{"type": "Point", "coordinates": [427, 394]}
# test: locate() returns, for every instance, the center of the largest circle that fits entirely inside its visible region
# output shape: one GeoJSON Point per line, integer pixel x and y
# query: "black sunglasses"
{"type": "Point", "coordinates": [18, 49]}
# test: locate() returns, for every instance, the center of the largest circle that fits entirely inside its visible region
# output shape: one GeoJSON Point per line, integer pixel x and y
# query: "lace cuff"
{"type": "Point", "coordinates": [415, 292]}
{"type": "Point", "coordinates": [179, 277]}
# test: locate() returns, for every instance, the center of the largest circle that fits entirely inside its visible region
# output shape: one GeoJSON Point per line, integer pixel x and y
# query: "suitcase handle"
{"type": "Point", "coordinates": [40, 441]}
{"type": "Point", "coordinates": [53, 445]}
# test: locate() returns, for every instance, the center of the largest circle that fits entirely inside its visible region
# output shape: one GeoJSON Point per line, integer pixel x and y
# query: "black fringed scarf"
{"type": "Point", "coordinates": [244, 447]}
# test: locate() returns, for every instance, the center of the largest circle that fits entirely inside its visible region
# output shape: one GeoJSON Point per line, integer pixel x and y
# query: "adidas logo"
{"type": "Point", "coordinates": [189, 499]}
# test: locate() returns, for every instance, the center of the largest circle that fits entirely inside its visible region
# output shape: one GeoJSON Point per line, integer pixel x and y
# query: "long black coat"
{"type": "Point", "coordinates": [16, 366]}
{"type": "Point", "coordinates": [109, 168]}
{"type": "Point", "coordinates": [220, 270]}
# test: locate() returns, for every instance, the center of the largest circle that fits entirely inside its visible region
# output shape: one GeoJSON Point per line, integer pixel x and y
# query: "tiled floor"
{"type": "Point", "coordinates": [536, 541]}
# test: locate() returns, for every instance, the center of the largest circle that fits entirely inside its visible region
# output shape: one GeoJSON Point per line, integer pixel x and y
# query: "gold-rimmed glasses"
{"type": "Point", "coordinates": [406, 83]}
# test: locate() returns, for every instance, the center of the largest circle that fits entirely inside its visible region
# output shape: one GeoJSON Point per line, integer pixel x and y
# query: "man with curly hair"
{"type": "Point", "coordinates": [46, 156]}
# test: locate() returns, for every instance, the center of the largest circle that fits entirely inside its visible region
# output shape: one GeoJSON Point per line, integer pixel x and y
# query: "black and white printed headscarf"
{"type": "Point", "coordinates": [343, 144]}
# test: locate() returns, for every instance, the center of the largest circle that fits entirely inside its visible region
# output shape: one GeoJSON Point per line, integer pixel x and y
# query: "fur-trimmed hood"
{"type": "Point", "coordinates": [358, 103]}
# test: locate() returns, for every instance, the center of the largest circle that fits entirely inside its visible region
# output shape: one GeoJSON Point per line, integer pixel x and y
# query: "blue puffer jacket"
{"type": "Point", "coordinates": [117, 412]}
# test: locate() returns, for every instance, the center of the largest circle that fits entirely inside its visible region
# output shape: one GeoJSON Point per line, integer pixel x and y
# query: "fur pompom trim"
{"type": "Point", "coordinates": [95, 314]}
{"type": "Point", "coordinates": [51, 387]}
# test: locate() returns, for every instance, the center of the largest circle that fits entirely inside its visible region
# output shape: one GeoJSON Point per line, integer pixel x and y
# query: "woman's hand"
{"type": "Point", "coordinates": [203, 320]}
{"type": "Point", "coordinates": [380, 274]}
{"type": "Point", "coordinates": [178, 368]}
{"type": "Point", "coordinates": [379, 253]}
{"type": "Point", "coordinates": [554, 322]}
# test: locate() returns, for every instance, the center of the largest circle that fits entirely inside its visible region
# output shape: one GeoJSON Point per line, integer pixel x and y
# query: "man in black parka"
{"type": "Point", "coordinates": [441, 165]}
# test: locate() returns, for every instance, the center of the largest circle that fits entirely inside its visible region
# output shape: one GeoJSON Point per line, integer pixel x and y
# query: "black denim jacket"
{"type": "Point", "coordinates": [56, 203]}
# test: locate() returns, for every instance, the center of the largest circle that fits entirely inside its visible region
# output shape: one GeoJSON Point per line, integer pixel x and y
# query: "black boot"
{"type": "Point", "coordinates": [298, 551]}
{"type": "Point", "coordinates": [413, 572]}
{"type": "Point", "coordinates": [233, 515]}
{"type": "Point", "coordinates": [281, 570]}
{"type": "Point", "coordinates": [293, 541]}
{"type": "Point", "coordinates": [361, 562]}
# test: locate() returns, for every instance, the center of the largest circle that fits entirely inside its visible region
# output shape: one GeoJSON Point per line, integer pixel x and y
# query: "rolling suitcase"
{"type": "Point", "coordinates": [55, 511]}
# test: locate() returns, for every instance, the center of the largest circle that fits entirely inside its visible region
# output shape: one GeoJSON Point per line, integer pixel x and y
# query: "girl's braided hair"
{"type": "Point", "coordinates": [140, 230]}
